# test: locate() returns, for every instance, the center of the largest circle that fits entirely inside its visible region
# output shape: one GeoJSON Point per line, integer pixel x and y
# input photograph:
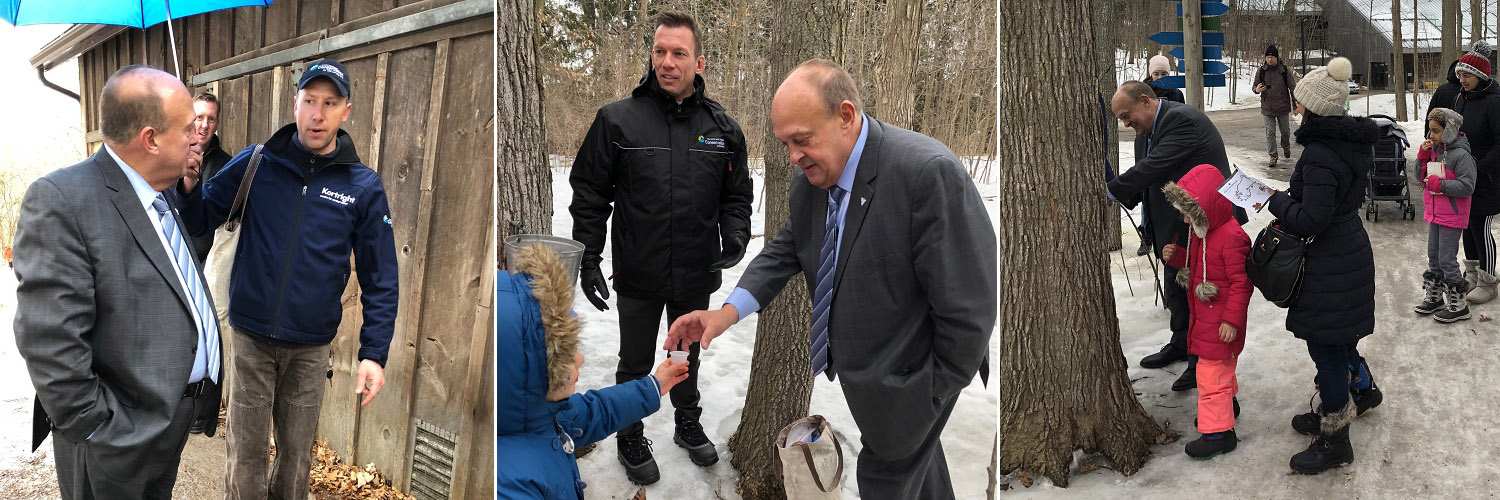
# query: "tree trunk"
{"type": "Point", "coordinates": [524, 203]}
{"type": "Point", "coordinates": [1476, 21]}
{"type": "Point", "coordinates": [780, 374]}
{"type": "Point", "coordinates": [1398, 63]}
{"type": "Point", "coordinates": [1450, 29]}
{"type": "Point", "coordinates": [1062, 377]}
{"type": "Point", "coordinates": [895, 71]}
{"type": "Point", "coordinates": [1103, 19]}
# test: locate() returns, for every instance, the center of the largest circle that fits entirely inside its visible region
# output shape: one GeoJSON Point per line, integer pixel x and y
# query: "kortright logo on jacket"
{"type": "Point", "coordinates": [336, 197]}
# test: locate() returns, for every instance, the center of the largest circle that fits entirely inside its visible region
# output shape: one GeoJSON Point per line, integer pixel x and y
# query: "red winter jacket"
{"type": "Point", "coordinates": [1212, 267]}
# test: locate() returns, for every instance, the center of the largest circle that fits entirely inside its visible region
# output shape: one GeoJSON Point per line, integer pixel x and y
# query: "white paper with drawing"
{"type": "Point", "coordinates": [1245, 191]}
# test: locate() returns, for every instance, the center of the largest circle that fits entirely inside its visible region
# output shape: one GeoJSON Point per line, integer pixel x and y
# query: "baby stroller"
{"type": "Point", "coordinates": [1388, 177]}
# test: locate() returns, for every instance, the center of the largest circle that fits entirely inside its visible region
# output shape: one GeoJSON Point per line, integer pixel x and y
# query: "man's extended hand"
{"type": "Point", "coordinates": [369, 380]}
{"type": "Point", "coordinates": [701, 327]}
{"type": "Point", "coordinates": [734, 250]}
{"type": "Point", "coordinates": [594, 286]}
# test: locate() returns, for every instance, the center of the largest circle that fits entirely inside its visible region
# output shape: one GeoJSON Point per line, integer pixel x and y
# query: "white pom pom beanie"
{"type": "Point", "coordinates": [1325, 90]}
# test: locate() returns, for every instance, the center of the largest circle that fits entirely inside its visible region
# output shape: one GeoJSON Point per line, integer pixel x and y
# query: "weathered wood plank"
{"type": "Point", "coordinates": [281, 22]}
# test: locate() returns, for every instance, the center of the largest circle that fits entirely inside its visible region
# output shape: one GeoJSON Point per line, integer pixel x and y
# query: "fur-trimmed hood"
{"type": "Point", "coordinates": [552, 286]}
{"type": "Point", "coordinates": [1196, 196]}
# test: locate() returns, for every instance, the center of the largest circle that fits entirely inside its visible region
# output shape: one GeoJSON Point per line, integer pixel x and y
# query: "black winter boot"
{"type": "Point", "coordinates": [1166, 356]}
{"type": "Point", "coordinates": [1211, 444]}
{"type": "Point", "coordinates": [1432, 294]}
{"type": "Point", "coordinates": [1368, 398]}
{"type": "Point", "coordinates": [690, 436]}
{"type": "Point", "coordinates": [1189, 377]}
{"type": "Point", "coordinates": [1330, 448]}
{"type": "Point", "coordinates": [635, 455]}
{"type": "Point", "coordinates": [1455, 306]}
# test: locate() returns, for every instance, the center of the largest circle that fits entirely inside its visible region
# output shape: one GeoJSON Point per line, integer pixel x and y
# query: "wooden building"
{"type": "Point", "coordinates": [422, 77]}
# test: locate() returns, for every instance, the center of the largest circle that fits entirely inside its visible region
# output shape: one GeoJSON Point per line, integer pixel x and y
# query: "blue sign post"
{"type": "Point", "coordinates": [1206, 47]}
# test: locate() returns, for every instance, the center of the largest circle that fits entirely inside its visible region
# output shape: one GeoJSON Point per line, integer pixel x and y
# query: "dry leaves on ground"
{"type": "Point", "coordinates": [333, 479]}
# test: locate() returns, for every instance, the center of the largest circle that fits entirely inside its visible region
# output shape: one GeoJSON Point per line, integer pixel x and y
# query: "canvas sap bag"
{"type": "Point", "coordinates": [221, 257]}
{"type": "Point", "coordinates": [809, 459]}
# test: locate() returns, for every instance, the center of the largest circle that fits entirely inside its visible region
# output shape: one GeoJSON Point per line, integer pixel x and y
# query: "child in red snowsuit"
{"type": "Point", "coordinates": [1213, 271]}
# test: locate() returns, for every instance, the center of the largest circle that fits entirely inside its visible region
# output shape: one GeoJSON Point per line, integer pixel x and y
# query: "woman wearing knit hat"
{"type": "Point", "coordinates": [1336, 306]}
{"type": "Point", "coordinates": [1479, 103]}
{"type": "Point", "coordinates": [1274, 82]}
{"type": "Point", "coordinates": [1157, 68]}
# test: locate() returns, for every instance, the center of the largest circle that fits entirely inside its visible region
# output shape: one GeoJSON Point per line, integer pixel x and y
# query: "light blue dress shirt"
{"type": "Point", "coordinates": [741, 298]}
{"type": "Point", "coordinates": [147, 195]}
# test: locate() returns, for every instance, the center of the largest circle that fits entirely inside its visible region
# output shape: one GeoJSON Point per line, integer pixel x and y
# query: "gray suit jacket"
{"type": "Point", "coordinates": [914, 291]}
{"type": "Point", "coordinates": [102, 321]}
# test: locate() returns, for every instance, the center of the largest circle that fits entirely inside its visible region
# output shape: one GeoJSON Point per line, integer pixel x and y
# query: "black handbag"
{"type": "Point", "coordinates": [1276, 262]}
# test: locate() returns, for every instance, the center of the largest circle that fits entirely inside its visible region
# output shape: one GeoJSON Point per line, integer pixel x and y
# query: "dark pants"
{"type": "Point", "coordinates": [1333, 363]}
{"type": "Point", "coordinates": [640, 345]}
{"type": "Point", "coordinates": [79, 479]}
{"type": "Point", "coordinates": [1177, 302]}
{"type": "Point", "coordinates": [278, 385]}
{"type": "Point", "coordinates": [922, 475]}
{"type": "Point", "coordinates": [1479, 244]}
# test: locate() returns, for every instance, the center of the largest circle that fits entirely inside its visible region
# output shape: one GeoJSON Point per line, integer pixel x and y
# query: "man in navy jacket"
{"type": "Point", "coordinates": [312, 203]}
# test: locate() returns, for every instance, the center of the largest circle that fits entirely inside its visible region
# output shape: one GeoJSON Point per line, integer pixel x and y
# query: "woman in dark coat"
{"type": "Point", "coordinates": [1336, 306]}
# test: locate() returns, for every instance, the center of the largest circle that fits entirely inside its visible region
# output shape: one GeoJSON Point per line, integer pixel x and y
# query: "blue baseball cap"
{"type": "Point", "coordinates": [330, 69]}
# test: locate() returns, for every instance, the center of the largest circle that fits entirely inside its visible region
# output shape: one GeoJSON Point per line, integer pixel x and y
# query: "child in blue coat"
{"type": "Point", "coordinates": [539, 420]}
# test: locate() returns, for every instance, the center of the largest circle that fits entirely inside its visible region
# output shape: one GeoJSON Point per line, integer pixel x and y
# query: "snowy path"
{"type": "Point", "coordinates": [1435, 434]}
{"type": "Point", "coordinates": [967, 440]}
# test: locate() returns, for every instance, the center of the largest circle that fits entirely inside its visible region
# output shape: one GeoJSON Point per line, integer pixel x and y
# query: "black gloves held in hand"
{"type": "Point", "coordinates": [734, 250]}
{"type": "Point", "coordinates": [594, 286]}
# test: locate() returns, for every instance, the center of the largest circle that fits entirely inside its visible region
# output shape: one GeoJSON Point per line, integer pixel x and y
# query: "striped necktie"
{"type": "Point", "coordinates": [823, 293]}
{"type": "Point", "coordinates": [206, 362]}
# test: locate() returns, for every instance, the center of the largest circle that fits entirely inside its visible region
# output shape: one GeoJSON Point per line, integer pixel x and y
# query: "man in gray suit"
{"type": "Point", "coordinates": [114, 320]}
{"type": "Point", "coordinates": [898, 251]}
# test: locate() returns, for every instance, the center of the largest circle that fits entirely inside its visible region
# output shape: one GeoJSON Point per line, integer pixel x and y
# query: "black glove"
{"type": "Point", "coordinates": [592, 281]}
{"type": "Point", "coordinates": [734, 250]}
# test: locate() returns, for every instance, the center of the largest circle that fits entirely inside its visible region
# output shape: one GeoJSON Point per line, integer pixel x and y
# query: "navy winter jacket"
{"type": "Point", "coordinates": [303, 216]}
{"type": "Point", "coordinates": [531, 459]}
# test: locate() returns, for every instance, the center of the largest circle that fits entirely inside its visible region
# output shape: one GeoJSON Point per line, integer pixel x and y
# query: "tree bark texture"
{"type": "Point", "coordinates": [780, 374]}
{"type": "Point", "coordinates": [895, 78]}
{"type": "Point", "coordinates": [1103, 17]}
{"type": "Point", "coordinates": [1062, 377]}
{"type": "Point", "coordinates": [1450, 25]}
{"type": "Point", "coordinates": [1398, 60]}
{"type": "Point", "coordinates": [524, 201]}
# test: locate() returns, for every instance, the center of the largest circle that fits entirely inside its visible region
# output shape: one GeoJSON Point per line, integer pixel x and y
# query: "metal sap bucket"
{"type": "Point", "coordinates": [569, 252]}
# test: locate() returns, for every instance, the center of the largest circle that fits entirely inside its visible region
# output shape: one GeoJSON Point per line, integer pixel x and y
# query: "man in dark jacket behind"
{"type": "Point", "coordinates": [206, 124]}
{"type": "Point", "coordinates": [1171, 139]}
{"type": "Point", "coordinates": [1274, 82]}
{"type": "Point", "coordinates": [1479, 103]}
{"type": "Point", "coordinates": [671, 166]}
{"type": "Point", "coordinates": [312, 202]}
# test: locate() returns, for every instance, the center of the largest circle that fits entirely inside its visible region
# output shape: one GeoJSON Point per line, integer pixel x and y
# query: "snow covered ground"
{"type": "Point", "coordinates": [1434, 435]}
{"type": "Point", "coordinates": [723, 379]}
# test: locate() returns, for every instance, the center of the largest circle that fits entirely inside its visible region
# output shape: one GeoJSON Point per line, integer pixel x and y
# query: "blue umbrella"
{"type": "Point", "coordinates": [137, 13]}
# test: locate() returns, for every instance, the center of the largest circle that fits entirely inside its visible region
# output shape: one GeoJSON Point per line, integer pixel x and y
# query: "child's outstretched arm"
{"type": "Point", "coordinates": [596, 414]}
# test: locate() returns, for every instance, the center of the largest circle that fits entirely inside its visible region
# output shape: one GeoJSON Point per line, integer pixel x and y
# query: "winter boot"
{"type": "Point", "coordinates": [1484, 286]}
{"type": "Point", "coordinates": [1432, 294]}
{"type": "Point", "coordinates": [1189, 377]}
{"type": "Point", "coordinates": [1362, 388]}
{"type": "Point", "coordinates": [1331, 447]}
{"type": "Point", "coordinates": [1471, 273]}
{"type": "Point", "coordinates": [1273, 160]}
{"type": "Point", "coordinates": [690, 436]}
{"type": "Point", "coordinates": [1144, 249]}
{"type": "Point", "coordinates": [1287, 150]}
{"type": "Point", "coordinates": [1213, 443]}
{"type": "Point", "coordinates": [635, 455]}
{"type": "Point", "coordinates": [1455, 308]}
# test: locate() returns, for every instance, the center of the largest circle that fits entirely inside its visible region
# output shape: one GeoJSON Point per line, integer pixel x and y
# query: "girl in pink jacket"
{"type": "Point", "coordinates": [1212, 270]}
{"type": "Point", "coordinates": [1447, 165]}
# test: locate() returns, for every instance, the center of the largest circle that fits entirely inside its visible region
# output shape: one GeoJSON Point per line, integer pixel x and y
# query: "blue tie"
{"type": "Point", "coordinates": [206, 364]}
{"type": "Point", "coordinates": [823, 294]}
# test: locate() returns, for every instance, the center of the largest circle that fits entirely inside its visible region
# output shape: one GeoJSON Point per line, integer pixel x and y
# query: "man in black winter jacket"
{"type": "Point", "coordinates": [671, 167]}
{"type": "Point", "coordinates": [206, 124]}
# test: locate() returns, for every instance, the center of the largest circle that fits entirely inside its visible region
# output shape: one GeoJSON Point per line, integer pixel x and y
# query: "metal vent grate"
{"type": "Point", "coordinates": [432, 462]}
